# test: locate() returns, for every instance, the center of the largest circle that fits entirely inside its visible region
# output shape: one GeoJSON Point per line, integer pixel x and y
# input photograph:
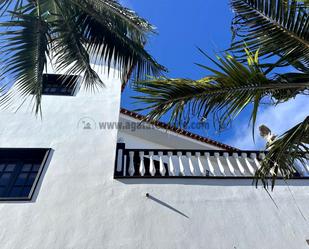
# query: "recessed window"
{"type": "Point", "coordinates": [57, 84]}
{"type": "Point", "coordinates": [20, 170]}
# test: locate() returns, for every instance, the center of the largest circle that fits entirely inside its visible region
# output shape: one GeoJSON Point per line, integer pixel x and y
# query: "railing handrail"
{"type": "Point", "coordinates": [134, 162]}
{"type": "Point", "coordinates": [191, 163]}
{"type": "Point", "coordinates": [194, 151]}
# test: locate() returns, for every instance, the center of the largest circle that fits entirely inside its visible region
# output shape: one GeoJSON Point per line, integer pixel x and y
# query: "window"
{"type": "Point", "coordinates": [56, 84]}
{"type": "Point", "coordinates": [20, 170]}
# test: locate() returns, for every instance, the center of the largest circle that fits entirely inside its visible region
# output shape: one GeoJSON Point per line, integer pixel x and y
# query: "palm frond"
{"type": "Point", "coordinates": [24, 51]}
{"type": "Point", "coordinates": [110, 45]}
{"type": "Point", "coordinates": [119, 36]}
{"type": "Point", "coordinates": [78, 33]}
{"type": "Point", "coordinates": [276, 27]}
{"type": "Point", "coordinates": [12, 5]}
{"type": "Point", "coordinates": [69, 51]}
{"type": "Point", "coordinates": [112, 8]}
{"type": "Point", "coordinates": [290, 78]}
{"type": "Point", "coordinates": [283, 153]}
{"type": "Point", "coordinates": [225, 93]}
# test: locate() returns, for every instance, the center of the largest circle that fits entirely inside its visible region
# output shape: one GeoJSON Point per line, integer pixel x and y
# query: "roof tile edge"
{"type": "Point", "coordinates": [180, 131]}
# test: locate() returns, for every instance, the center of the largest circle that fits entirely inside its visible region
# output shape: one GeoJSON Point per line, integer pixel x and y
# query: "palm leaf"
{"type": "Point", "coordinates": [68, 47]}
{"type": "Point", "coordinates": [74, 31]}
{"type": "Point", "coordinates": [111, 8]}
{"type": "Point", "coordinates": [24, 51]}
{"type": "Point", "coordinates": [276, 27]}
{"type": "Point", "coordinates": [290, 78]}
{"type": "Point", "coordinates": [123, 31]}
{"type": "Point", "coordinates": [6, 4]}
{"type": "Point", "coordinates": [224, 93]}
{"type": "Point", "coordinates": [283, 153]}
{"type": "Point", "coordinates": [111, 45]}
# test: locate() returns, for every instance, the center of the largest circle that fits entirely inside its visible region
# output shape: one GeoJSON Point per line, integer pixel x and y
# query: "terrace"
{"type": "Point", "coordinates": [165, 163]}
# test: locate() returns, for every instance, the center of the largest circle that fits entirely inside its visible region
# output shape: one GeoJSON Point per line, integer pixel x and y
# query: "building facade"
{"type": "Point", "coordinates": [91, 191]}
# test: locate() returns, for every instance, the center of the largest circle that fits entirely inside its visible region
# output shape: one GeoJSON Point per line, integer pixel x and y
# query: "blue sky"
{"type": "Point", "coordinates": [183, 26]}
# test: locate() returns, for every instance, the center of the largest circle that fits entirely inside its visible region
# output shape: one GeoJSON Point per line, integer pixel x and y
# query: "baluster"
{"type": "Point", "coordinates": [125, 165]}
{"type": "Point", "coordinates": [170, 163]}
{"type": "Point", "coordinates": [200, 165]}
{"type": "Point", "coordinates": [240, 167]}
{"type": "Point", "coordinates": [307, 163]}
{"type": "Point", "coordinates": [162, 168]}
{"type": "Point", "coordinates": [191, 167]}
{"type": "Point", "coordinates": [131, 165]}
{"type": "Point", "coordinates": [262, 156]}
{"type": "Point", "coordinates": [256, 162]}
{"type": "Point", "coordinates": [229, 164]}
{"type": "Point", "coordinates": [209, 164]}
{"type": "Point", "coordinates": [119, 160]}
{"type": "Point", "coordinates": [181, 167]}
{"type": "Point", "coordinates": [251, 169]}
{"type": "Point", "coordinates": [152, 169]}
{"type": "Point", "coordinates": [221, 168]}
{"type": "Point", "coordinates": [141, 165]}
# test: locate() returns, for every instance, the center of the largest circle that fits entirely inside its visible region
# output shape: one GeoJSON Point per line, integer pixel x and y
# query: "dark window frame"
{"type": "Point", "coordinates": [23, 156]}
{"type": "Point", "coordinates": [69, 91]}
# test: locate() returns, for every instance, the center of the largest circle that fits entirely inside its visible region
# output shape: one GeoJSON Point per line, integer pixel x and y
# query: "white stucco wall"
{"type": "Point", "coordinates": [141, 135]}
{"type": "Point", "coordinates": [78, 204]}
{"type": "Point", "coordinates": [63, 210]}
{"type": "Point", "coordinates": [210, 214]}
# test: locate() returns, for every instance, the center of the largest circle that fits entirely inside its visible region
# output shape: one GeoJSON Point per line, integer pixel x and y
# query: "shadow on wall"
{"type": "Point", "coordinates": [150, 197]}
{"type": "Point", "coordinates": [210, 182]}
{"type": "Point", "coordinates": [223, 182]}
{"type": "Point", "coordinates": [39, 183]}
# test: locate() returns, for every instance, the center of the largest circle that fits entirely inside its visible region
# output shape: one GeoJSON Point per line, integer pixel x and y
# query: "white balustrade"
{"type": "Point", "coordinates": [249, 166]}
{"type": "Point", "coordinates": [262, 156]}
{"type": "Point", "coordinates": [239, 165]}
{"type": "Point", "coordinates": [256, 162]}
{"type": "Point", "coordinates": [229, 164]}
{"type": "Point", "coordinates": [152, 168]}
{"type": "Point", "coordinates": [200, 165]}
{"type": "Point", "coordinates": [221, 168]}
{"type": "Point", "coordinates": [119, 160]}
{"type": "Point", "coordinates": [307, 163]}
{"type": "Point", "coordinates": [209, 164]}
{"type": "Point", "coordinates": [181, 167]}
{"type": "Point", "coordinates": [171, 164]}
{"type": "Point", "coordinates": [141, 165]}
{"type": "Point", "coordinates": [163, 163]}
{"type": "Point", "coordinates": [131, 163]}
{"type": "Point", "coordinates": [191, 167]}
{"type": "Point", "coordinates": [125, 165]}
{"type": "Point", "coordinates": [161, 168]}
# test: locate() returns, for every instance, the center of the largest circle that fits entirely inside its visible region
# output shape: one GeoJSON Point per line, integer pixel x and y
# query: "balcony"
{"type": "Point", "coordinates": [163, 163]}
{"type": "Point", "coordinates": [154, 163]}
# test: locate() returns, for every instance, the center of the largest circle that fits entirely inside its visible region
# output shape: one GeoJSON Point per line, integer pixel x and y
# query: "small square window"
{"type": "Point", "coordinates": [57, 84]}
{"type": "Point", "coordinates": [10, 167]}
{"type": "Point", "coordinates": [26, 167]}
{"type": "Point", "coordinates": [36, 167]}
{"type": "Point", "coordinates": [20, 170]}
{"type": "Point", "coordinates": [21, 179]}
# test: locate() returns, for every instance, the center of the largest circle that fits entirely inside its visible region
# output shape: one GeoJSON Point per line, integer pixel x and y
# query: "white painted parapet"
{"type": "Point", "coordinates": [214, 163]}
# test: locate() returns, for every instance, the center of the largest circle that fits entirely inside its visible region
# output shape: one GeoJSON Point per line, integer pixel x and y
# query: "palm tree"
{"type": "Point", "coordinates": [268, 35]}
{"type": "Point", "coordinates": [67, 32]}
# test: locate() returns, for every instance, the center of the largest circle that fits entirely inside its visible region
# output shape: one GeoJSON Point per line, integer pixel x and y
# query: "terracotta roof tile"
{"type": "Point", "coordinates": [179, 131]}
{"type": "Point", "coordinates": [169, 127]}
